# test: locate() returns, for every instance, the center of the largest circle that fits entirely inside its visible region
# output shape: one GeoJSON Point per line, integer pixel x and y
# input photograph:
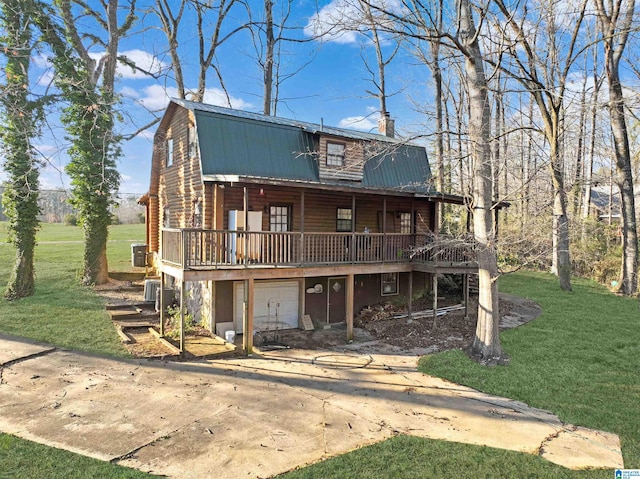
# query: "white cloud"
{"type": "Point", "coordinates": [344, 21]}
{"type": "Point", "coordinates": [156, 97]}
{"type": "Point", "coordinates": [41, 61]}
{"type": "Point", "coordinates": [129, 92]}
{"type": "Point", "coordinates": [142, 60]}
{"type": "Point", "coordinates": [363, 123]}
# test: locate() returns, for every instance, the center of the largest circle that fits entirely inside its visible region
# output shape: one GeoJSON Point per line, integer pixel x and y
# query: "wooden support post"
{"type": "Point", "coordinates": [212, 319]}
{"type": "Point", "coordinates": [410, 293]}
{"type": "Point", "coordinates": [182, 305]}
{"type": "Point", "coordinates": [435, 299]}
{"type": "Point", "coordinates": [246, 226]}
{"type": "Point", "coordinates": [161, 293]}
{"type": "Point", "coordinates": [384, 229]}
{"type": "Point", "coordinates": [466, 296]}
{"type": "Point", "coordinates": [349, 306]}
{"type": "Point", "coordinates": [353, 228]}
{"type": "Point", "coordinates": [302, 252]}
{"type": "Point", "coordinates": [247, 317]}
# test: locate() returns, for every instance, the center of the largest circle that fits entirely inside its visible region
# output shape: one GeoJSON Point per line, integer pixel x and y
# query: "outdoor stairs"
{"type": "Point", "coordinates": [138, 315]}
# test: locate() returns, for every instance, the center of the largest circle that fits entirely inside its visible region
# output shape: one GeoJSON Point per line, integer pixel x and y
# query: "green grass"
{"type": "Point", "coordinates": [580, 359]}
{"type": "Point", "coordinates": [407, 457]}
{"type": "Point", "coordinates": [62, 312]}
{"type": "Point", "coordinates": [22, 459]}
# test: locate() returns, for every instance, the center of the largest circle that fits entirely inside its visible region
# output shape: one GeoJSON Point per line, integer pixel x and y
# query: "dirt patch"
{"type": "Point", "coordinates": [381, 327]}
{"type": "Point", "coordinates": [120, 292]}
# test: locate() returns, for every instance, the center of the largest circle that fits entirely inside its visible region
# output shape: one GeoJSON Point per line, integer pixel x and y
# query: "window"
{"type": "Point", "coordinates": [405, 223]}
{"type": "Point", "coordinates": [335, 154]}
{"type": "Point", "coordinates": [169, 151]}
{"type": "Point", "coordinates": [193, 142]}
{"type": "Point", "coordinates": [389, 284]}
{"type": "Point", "coordinates": [344, 219]}
{"type": "Point", "coordinates": [279, 218]}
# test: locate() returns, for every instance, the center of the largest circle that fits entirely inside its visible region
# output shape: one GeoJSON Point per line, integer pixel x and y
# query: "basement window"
{"type": "Point", "coordinates": [389, 284]}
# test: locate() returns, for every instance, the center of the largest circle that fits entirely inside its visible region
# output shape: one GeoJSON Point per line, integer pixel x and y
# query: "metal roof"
{"type": "Point", "coordinates": [236, 144]}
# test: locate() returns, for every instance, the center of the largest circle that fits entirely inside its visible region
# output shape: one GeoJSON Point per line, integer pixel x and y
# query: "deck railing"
{"type": "Point", "coordinates": [196, 248]}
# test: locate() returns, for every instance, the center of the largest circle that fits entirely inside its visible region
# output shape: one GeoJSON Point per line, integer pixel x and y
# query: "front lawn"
{"type": "Point", "coordinates": [62, 312]}
{"type": "Point", "coordinates": [580, 359]}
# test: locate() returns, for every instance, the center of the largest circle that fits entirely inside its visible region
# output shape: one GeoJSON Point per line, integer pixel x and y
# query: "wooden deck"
{"type": "Point", "coordinates": [204, 250]}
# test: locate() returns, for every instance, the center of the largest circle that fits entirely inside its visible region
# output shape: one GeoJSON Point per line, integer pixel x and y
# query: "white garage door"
{"type": "Point", "coordinates": [275, 305]}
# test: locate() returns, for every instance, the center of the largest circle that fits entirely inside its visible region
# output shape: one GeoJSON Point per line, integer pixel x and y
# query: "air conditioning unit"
{"type": "Point", "coordinates": [150, 290]}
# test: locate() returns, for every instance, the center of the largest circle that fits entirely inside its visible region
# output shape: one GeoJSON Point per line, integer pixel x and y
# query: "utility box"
{"type": "Point", "coordinates": [139, 255]}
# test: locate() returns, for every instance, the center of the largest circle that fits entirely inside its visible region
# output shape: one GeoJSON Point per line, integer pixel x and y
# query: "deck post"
{"type": "Point", "coordinates": [247, 317]}
{"type": "Point", "coordinates": [384, 229]}
{"type": "Point", "coordinates": [353, 228]}
{"type": "Point", "coordinates": [349, 306]}
{"type": "Point", "coordinates": [435, 298]}
{"type": "Point", "coordinates": [302, 252]}
{"type": "Point", "coordinates": [410, 293]}
{"type": "Point", "coordinates": [246, 225]}
{"type": "Point", "coordinates": [161, 292]}
{"type": "Point", "coordinates": [182, 293]}
{"type": "Point", "coordinates": [466, 296]}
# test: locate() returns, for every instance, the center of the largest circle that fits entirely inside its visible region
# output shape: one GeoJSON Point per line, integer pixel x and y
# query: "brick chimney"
{"type": "Point", "coordinates": [386, 125]}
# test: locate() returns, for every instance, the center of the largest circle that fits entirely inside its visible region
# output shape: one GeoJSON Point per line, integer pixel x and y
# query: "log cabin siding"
{"type": "Point", "coordinates": [180, 183]}
{"type": "Point", "coordinates": [321, 208]}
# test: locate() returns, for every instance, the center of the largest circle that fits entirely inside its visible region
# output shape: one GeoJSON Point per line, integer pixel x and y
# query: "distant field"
{"type": "Point", "coordinates": [61, 232]}
{"type": "Point", "coordinates": [121, 237]}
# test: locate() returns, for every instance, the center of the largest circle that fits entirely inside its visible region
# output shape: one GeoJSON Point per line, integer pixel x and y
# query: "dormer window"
{"type": "Point", "coordinates": [335, 154]}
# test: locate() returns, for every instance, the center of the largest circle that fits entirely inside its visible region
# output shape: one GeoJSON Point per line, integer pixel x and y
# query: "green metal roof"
{"type": "Point", "coordinates": [244, 147]}
{"type": "Point", "coordinates": [399, 167]}
{"type": "Point", "coordinates": [238, 144]}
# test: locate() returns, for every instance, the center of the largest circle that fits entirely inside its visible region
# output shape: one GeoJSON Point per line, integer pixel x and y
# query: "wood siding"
{"type": "Point", "coordinates": [353, 168]}
{"type": "Point", "coordinates": [180, 183]}
{"type": "Point", "coordinates": [321, 208]}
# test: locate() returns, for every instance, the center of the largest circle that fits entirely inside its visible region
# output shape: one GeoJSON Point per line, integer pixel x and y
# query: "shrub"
{"type": "Point", "coordinates": [71, 220]}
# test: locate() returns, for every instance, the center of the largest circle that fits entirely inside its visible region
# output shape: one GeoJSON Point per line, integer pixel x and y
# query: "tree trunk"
{"type": "Point", "coordinates": [561, 257]}
{"type": "Point", "coordinates": [615, 38]}
{"type": "Point", "coordinates": [486, 345]}
{"type": "Point", "coordinates": [18, 127]}
{"type": "Point", "coordinates": [268, 61]}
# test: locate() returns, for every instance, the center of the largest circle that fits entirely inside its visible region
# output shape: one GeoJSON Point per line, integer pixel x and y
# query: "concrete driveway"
{"type": "Point", "coordinates": [261, 416]}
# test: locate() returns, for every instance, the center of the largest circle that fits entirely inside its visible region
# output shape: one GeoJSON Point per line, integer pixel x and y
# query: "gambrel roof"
{"type": "Point", "coordinates": [237, 145]}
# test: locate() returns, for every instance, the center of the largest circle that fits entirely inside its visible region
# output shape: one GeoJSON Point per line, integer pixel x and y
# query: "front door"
{"type": "Point", "coordinates": [336, 294]}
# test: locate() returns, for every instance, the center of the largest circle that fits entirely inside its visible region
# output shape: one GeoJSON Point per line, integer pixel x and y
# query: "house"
{"type": "Point", "coordinates": [258, 221]}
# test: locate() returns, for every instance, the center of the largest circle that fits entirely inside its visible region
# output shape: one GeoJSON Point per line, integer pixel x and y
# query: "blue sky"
{"type": "Point", "coordinates": [330, 88]}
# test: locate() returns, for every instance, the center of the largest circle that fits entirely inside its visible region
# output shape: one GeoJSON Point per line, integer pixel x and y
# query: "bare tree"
{"type": "Point", "coordinates": [270, 35]}
{"type": "Point", "coordinates": [208, 17]}
{"type": "Point", "coordinates": [416, 21]}
{"type": "Point", "coordinates": [540, 69]}
{"type": "Point", "coordinates": [615, 18]}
